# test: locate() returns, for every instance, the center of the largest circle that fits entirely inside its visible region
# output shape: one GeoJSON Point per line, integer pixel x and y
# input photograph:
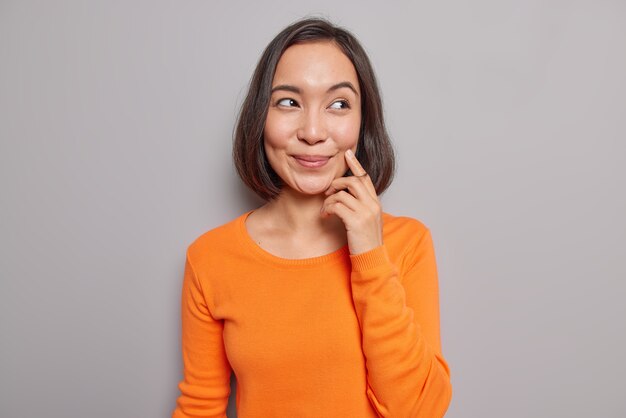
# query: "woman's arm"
{"type": "Point", "coordinates": [398, 310]}
{"type": "Point", "coordinates": [206, 376]}
{"type": "Point", "coordinates": [399, 318]}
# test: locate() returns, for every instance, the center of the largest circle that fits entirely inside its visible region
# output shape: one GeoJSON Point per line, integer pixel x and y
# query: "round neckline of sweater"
{"type": "Point", "coordinates": [265, 255]}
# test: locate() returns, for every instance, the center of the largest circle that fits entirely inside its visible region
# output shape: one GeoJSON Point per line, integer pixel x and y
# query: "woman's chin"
{"type": "Point", "coordinates": [312, 186]}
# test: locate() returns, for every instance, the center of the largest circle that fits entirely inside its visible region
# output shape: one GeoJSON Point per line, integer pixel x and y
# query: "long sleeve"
{"type": "Point", "coordinates": [206, 383]}
{"type": "Point", "coordinates": [398, 312]}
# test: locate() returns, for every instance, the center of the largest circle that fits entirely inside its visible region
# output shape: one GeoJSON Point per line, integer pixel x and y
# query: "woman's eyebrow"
{"type": "Point", "coordinates": [342, 85]}
{"type": "Point", "coordinates": [294, 89]}
{"type": "Point", "coordinates": [286, 87]}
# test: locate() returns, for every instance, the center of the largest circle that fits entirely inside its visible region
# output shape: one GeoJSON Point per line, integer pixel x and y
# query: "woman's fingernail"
{"type": "Point", "coordinates": [349, 153]}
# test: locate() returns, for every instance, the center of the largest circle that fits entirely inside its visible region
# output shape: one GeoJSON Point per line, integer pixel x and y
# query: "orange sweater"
{"type": "Point", "coordinates": [338, 335]}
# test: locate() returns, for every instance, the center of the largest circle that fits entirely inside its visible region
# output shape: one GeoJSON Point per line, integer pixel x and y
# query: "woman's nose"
{"type": "Point", "coordinates": [312, 128]}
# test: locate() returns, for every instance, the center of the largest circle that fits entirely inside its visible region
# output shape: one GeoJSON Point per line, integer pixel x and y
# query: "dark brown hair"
{"type": "Point", "coordinates": [374, 149]}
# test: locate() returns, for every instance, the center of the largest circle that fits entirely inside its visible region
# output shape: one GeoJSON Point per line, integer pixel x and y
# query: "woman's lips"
{"type": "Point", "coordinates": [311, 161]}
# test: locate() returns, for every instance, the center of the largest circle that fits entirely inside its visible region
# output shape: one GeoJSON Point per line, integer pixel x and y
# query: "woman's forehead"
{"type": "Point", "coordinates": [314, 65]}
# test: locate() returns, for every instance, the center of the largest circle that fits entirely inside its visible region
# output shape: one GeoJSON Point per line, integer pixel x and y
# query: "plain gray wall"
{"type": "Point", "coordinates": [115, 126]}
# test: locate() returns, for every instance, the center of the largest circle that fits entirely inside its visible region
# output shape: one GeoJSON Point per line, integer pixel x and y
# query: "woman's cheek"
{"type": "Point", "coordinates": [348, 135]}
{"type": "Point", "coordinates": [278, 129]}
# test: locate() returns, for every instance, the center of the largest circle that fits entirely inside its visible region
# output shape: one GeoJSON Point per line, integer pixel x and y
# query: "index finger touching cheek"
{"type": "Point", "coordinates": [358, 171]}
{"type": "Point", "coordinates": [354, 164]}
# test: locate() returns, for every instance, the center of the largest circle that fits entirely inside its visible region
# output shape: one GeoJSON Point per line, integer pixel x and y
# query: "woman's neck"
{"type": "Point", "coordinates": [298, 214]}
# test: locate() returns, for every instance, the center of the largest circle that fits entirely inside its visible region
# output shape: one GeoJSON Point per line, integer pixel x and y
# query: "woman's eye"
{"type": "Point", "coordinates": [340, 104]}
{"type": "Point", "coordinates": [287, 103]}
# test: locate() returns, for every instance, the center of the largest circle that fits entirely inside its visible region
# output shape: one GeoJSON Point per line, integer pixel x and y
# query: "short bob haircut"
{"type": "Point", "coordinates": [374, 149]}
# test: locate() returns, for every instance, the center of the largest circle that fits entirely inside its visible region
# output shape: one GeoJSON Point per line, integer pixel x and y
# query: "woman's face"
{"type": "Point", "coordinates": [314, 116]}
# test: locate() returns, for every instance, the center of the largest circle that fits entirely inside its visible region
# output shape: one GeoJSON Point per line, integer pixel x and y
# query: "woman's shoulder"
{"type": "Point", "coordinates": [402, 225]}
{"type": "Point", "coordinates": [218, 238]}
{"type": "Point", "coordinates": [404, 236]}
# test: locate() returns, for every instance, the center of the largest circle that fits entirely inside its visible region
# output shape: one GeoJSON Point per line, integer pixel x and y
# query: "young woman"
{"type": "Point", "coordinates": [321, 303]}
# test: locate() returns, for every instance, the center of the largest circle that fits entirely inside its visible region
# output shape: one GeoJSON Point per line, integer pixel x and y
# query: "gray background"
{"type": "Point", "coordinates": [115, 126]}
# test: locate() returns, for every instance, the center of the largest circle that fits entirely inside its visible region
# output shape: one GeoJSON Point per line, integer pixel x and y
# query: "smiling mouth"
{"type": "Point", "coordinates": [311, 161]}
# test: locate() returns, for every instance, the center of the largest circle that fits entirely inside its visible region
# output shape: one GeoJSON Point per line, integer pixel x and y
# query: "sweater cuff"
{"type": "Point", "coordinates": [370, 259]}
